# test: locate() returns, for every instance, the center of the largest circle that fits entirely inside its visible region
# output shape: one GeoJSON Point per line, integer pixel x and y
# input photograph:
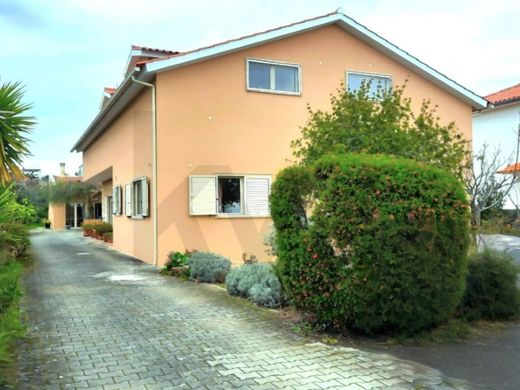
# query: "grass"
{"type": "Point", "coordinates": [493, 227]}
{"type": "Point", "coordinates": [11, 328]}
{"type": "Point", "coordinates": [34, 225]}
{"type": "Point", "coordinates": [455, 329]}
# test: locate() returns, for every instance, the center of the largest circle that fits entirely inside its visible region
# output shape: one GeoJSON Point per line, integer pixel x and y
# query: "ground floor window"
{"type": "Point", "coordinates": [230, 195]}
{"type": "Point", "coordinates": [136, 198]}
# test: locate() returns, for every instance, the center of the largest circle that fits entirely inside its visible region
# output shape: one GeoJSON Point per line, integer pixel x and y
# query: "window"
{"type": "Point", "coordinates": [230, 195]}
{"type": "Point", "coordinates": [355, 80]}
{"type": "Point", "coordinates": [136, 198]}
{"type": "Point", "coordinates": [117, 207]}
{"type": "Point", "coordinates": [265, 76]}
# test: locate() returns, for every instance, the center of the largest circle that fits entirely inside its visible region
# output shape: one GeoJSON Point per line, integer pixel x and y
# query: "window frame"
{"type": "Point", "coordinates": [274, 63]}
{"type": "Point", "coordinates": [369, 74]}
{"type": "Point", "coordinates": [134, 184]}
{"type": "Point", "coordinates": [243, 195]}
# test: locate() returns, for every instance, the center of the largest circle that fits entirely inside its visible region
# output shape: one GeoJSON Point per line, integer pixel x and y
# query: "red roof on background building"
{"type": "Point", "coordinates": [507, 95]}
{"type": "Point", "coordinates": [110, 90]}
{"type": "Point", "coordinates": [513, 168]}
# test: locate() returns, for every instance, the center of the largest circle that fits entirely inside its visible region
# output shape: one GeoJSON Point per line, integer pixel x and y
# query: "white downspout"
{"type": "Point", "coordinates": [154, 167]}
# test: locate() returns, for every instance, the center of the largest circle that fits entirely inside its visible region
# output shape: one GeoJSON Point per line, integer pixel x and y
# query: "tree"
{"type": "Point", "coordinates": [70, 192]}
{"type": "Point", "coordinates": [486, 188]}
{"type": "Point", "coordinates": [384, 124]}
{"type": "Point", "coordinates": [14, 127]}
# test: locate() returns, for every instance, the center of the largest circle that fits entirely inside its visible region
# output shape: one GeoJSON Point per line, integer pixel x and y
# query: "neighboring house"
{"type": "Point", "coordinates": [189, 144]}
{"type": "Point", "coordinates": [72, 214]}
{"type": "Point", "coordinates": [498, 126]}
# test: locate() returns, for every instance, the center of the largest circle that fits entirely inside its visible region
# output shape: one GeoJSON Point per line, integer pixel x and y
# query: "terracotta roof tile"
{"type": "Point", "coordinates": [507, 95]}
{"type": "Point", "coordinates": [513, 168]}
{"type": "Point", "coordinates": [138, 47]}
{"type": "Point", "coordinates": [175, 54]}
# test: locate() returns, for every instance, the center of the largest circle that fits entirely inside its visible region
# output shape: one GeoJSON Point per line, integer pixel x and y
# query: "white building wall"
{"type": "Point", "coordinates": [498, 127]}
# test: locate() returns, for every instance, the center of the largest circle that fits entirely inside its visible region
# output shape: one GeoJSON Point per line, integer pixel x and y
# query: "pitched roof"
{"type": "Point", "coordinates": [110, 90]}
{"type": "Point", "coordinates": [152, 49]}
{"type": "Point", "coordinates": [149, 67]}
{"type": "Point", "coordinates": [506, 95]}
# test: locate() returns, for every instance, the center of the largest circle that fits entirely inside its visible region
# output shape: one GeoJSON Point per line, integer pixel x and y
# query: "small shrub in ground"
{"type": "Point", "coordinates": [256, 282]}
{"type": "Point", "coordinates": [491, 290]}
{"type": "Point", "coordinates": [385, 250]}
{"type": "Point", "coordinates": [249, 258]}
{"type": "Point", "coordinates": [102, 228]}
{"type": "Point", "coordinates": [177, 265]}
{"type": "Point", "coordinates": [208, 267]}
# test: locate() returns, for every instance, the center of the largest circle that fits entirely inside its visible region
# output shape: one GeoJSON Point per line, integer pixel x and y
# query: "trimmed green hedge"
{"type": "Point", "coordinates": [492, 291]}
{"type": "Point", "coordinates": [385, 249]}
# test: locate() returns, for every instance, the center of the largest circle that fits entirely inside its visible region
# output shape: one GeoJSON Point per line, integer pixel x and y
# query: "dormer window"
{"type": "Point", "coordinates": [273, 77]}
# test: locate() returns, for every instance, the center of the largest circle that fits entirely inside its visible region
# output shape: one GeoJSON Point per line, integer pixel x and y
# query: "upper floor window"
{"type": "Point", "coordinates": [355, 80]}
{"type": "Point", "coordinates": [276, 77]}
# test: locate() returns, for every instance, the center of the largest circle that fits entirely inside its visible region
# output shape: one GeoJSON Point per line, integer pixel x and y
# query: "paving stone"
{"type": "Point", "coordinates": [147, 331]}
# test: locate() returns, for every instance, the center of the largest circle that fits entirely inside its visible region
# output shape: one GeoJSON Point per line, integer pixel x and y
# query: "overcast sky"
{"type": "Point", "coordinates": [65, 52]}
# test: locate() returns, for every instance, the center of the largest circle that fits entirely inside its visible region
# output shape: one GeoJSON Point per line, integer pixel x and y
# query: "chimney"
{"type": "Point", "coordinates": [62, 169]}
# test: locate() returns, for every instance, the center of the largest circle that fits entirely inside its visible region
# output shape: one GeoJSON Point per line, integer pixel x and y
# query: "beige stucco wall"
{"type": "Point", "coordinates": [57, 215]}
{"type": "Point", "coordinates": [106, 191]}
{"type": "Point", "coordinates": [208, 123]}
{"type": "Point", "coordinates": [126, 148]}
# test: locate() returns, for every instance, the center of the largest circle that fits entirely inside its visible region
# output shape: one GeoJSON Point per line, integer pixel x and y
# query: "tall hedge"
{"type": "Point", "coordinates": [385, 247]}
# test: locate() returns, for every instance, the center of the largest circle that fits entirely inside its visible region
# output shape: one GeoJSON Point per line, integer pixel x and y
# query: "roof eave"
{"type": "Point", "coordinates": [117, 103]}
{"type": "Point", "coordinates": [350, 25]}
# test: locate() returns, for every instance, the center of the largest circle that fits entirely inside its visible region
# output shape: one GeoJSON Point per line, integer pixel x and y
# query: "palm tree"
{"type": "Point", "coordinates": [14, 128]}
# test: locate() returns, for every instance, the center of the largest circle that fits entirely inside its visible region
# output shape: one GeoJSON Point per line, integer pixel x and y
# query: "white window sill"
{"type": "Point", "coordinates": [238, 216]}
{"type": "Point", "coordinates": [276, 92]}
{"type": "Point", "coordinates": [138, 217]}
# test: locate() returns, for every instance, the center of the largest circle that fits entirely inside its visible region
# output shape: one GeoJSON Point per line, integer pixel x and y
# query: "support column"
{"type": "Point", "coordinates": [75, 215]}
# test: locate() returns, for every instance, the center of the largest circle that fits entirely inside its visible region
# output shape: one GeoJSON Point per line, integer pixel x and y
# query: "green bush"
{"type": "Point", "coordinates": [208, 267]}
{"type": "Point", "coordinates": [177, 265]}
{"type": "Point", "coordinates": [10, 294]}
{"type": "Point", "coordinates": [10, 289]}
{"type": "Point", "coordinates": [13, 240]}
{"type": "Point", "coordinates": [256, 282]}
{"type": "Point", "coordinates": [385, 248]}
{"type": "Point", "coordinates": [491, 290]}
{"type": "Point", "coordinates": [102, 228]}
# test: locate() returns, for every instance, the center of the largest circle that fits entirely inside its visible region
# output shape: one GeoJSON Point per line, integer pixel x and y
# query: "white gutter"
{"type": "Point", "coordinates": [154, 167]}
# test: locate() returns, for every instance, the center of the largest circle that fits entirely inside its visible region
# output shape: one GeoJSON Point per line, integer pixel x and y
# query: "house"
{"type": "Point", "coordinates": [498, 126]}
{"type": "Point", "coordinates": [71, 213]}
{"type": "Point", "coordinates": [187, 147]}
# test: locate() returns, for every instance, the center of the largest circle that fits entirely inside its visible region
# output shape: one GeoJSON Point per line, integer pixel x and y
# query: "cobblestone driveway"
{"type": "Point", "coordinates": [98, 319]}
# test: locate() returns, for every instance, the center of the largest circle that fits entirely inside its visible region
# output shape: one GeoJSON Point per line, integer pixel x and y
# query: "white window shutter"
{"type": "Point", "coordinates": [119, 200]}
{"type": "Point", "coordinates": [128, 200]}
{"type": "Point", "coordinates": [257, 190]}
{"type": "Point", "coordinates": [114, 200]}
{"type": "Point", "coordinates": [145, 197]}
{"type": "Point", "coordinates": [203, 195]}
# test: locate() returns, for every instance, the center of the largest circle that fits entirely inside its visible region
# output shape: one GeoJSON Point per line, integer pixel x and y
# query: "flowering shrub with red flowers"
{"type": "Point", "coordinates": [372, 242]}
